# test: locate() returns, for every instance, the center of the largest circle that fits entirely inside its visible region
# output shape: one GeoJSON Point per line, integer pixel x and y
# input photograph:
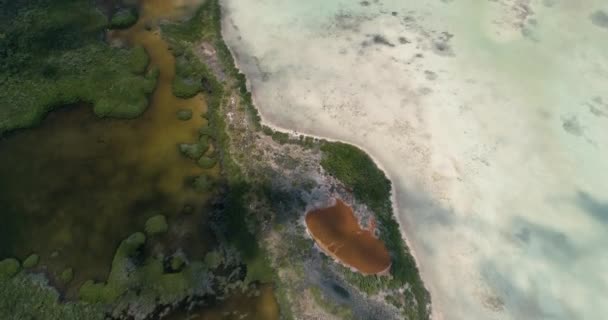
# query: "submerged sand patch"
{"type": "Point", "coordinates": [337, 232]}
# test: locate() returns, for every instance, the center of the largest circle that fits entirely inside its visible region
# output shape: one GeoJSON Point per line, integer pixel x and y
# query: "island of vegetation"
{"type": "Point", "coordinates": [138, 182]}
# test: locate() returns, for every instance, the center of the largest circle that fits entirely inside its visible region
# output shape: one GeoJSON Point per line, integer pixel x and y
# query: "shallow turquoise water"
{"type": "Point", "coordinates": [491, 118]}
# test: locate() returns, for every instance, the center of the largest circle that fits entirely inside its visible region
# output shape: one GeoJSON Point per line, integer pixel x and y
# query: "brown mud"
{"type": "Point", "coordinates": [336, 231]}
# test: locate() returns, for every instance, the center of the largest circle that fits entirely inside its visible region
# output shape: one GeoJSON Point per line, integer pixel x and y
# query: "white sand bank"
{"type": "Point", "coordinates": [491, 119]}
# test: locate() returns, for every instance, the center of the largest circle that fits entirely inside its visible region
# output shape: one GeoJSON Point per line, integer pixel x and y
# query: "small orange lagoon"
{"type": "Point", "coordinates": [337, 231]}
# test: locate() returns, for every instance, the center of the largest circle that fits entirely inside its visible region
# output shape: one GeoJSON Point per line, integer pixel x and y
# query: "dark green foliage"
{"type": "Point", "coordinates": [177, 263]}
{"type": "Point", "coordinates": [124, 18]}
{"type": "Point", "coordinates": [184, 114]}
{"type": "Point", "coordinates": [206, 162]}
{"type": "Point", "coordinates": [357, 171]}
{"type": "Point", "coordinates": [31, 261]}
{"type": "Point", "coordinates": [202, 183]}
{"type": "Point", "coordinates": [156, 225]}
{"type": "Point", "coordinates": [23, 297]}
{"type": "Point", "coordinates": [139, 60]}
{"type": "Point", "coordinates": [8, 268]}
{"type": "Point", "coordinates": [52, 54]}
{"type": "Point", "coordinates": [194, 150]}
{"type": "Point", "coordinates": [67, 275]}
{"type": "Point", "coordinates": [190, 75]}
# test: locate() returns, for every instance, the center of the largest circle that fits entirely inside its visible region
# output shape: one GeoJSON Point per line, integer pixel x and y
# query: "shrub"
{"type": "Point", "coordinates": [202, 183]}
{"type": "Point", "coordinates": [124, 19]}
{"type": "Point", "coordinates": [177, 263]}
{"type": "Point", "coordinates": [156, 225]}
{"type": "Point", "coordinates": [31, 261]}
{"type": "Point", "coordinates": [66, 276]}
{"type": "Point", "coordinates": [206, 162]}
{"type": "Point", "coordinates": [184, 114]}
{"type": "Point", "coordinates": [193, 150]}
{"type": "Point", "coordinates": [9, 268]}
{"type": "Point", "coordinates": [185, 87]}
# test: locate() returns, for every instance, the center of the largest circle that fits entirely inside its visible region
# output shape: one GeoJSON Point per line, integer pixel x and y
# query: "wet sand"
{"type": "Point", "coordinates": [488, 117]}
{"type": "Point", "coordinates": [338, 233]}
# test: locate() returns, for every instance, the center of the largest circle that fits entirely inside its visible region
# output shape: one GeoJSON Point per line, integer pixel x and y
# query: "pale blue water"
{"type": "Point", "coordinates": [491, 118]}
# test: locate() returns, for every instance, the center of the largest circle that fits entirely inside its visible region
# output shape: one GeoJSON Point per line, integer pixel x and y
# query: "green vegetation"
{"type": "Point", "coordinates": [191, 76]}
{"type": "Point", "coordinates": [156, 285]}
{"type": "Point", "coordinates": [202, 183]}
{"type": "Point", "coordinates": [25, 297]}
{"type": "Point", "coordinates": [177, 262]}
{"type": "Point", "coordinates": [66, 276]}
{"type": "Point", "coordinates": [107, 293]}
{"type": "Point", "coordinates": [195, 150]}
{"type": "Point", "coordinates": [358, 172]}
{"type": "Point", "coordinates": [206, 162]}
{"type": "Point", "coordinates": [31, 261]}
{"type": "Point", "coordinates": [206, 26]}
{"type": "Point", "coordinates": [156, 225]}
{"type": "Point", "coordinates": [52, 54]}
{"type": "Point", "coordinates": [184, 114]}
{"type": "Point", "coordinates": [139, 60]}
{"type": "Point", "coordinates": [124, 18]}
{"type": "Point", "coordinates": [9, 268]}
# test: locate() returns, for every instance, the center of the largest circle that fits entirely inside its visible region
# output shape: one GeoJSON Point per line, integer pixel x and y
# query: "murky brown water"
{"type": "Point", "coordinates": [238, 307]}
{"type": "Point", "coordinates": [73, 188]}
{"type": "Point", "coordinates": [337, 231]}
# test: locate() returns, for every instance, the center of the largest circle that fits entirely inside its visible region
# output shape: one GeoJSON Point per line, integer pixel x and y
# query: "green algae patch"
{"type": "Point", "coordinates": [156, 225]}
{"type": "Point", "coordinates": [31, 261]}
{"type": "Point", "coordinates": [184, 114]}
{"type": "Point", "coordinates": [8, 268]}
{"type": "Point", "coordinates": [124, 18]}
{"type": "Point", "coordinates": [55, 56]}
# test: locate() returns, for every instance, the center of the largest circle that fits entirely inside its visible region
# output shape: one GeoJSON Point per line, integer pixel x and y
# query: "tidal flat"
{"type": "Point", "coordinates": [488, 117]}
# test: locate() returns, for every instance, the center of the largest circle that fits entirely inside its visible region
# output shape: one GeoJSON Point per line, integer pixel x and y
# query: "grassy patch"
{"type": "Point", "coordinates": [52, 54]}
{"type": "Point", "coordinates": [8, 268]}
{"type": "Point", "coordinates": [156, 225]}
{"type": "Point", "coordinates": [25, 297]}
{"type": "Point", "coordinates": [31, 261]}
{"type": "Point", "coordinates": [66, 275]}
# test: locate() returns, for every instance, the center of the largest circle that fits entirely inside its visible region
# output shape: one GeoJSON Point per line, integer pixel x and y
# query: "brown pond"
{"type": "Point", "coordinates": [337, 231]}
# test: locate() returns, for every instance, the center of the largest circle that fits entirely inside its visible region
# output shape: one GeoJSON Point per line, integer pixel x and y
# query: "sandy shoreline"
{"type": "Point", "coordinates": [435, 314]}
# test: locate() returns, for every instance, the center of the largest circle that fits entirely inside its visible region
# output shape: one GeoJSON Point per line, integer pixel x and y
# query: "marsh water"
{"type": "Point", "coordinates": [77, 185]}
{"type": "Point", "coordinates": [73, 188]}
{"type": "Point", "coordinates": [338, 232]}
